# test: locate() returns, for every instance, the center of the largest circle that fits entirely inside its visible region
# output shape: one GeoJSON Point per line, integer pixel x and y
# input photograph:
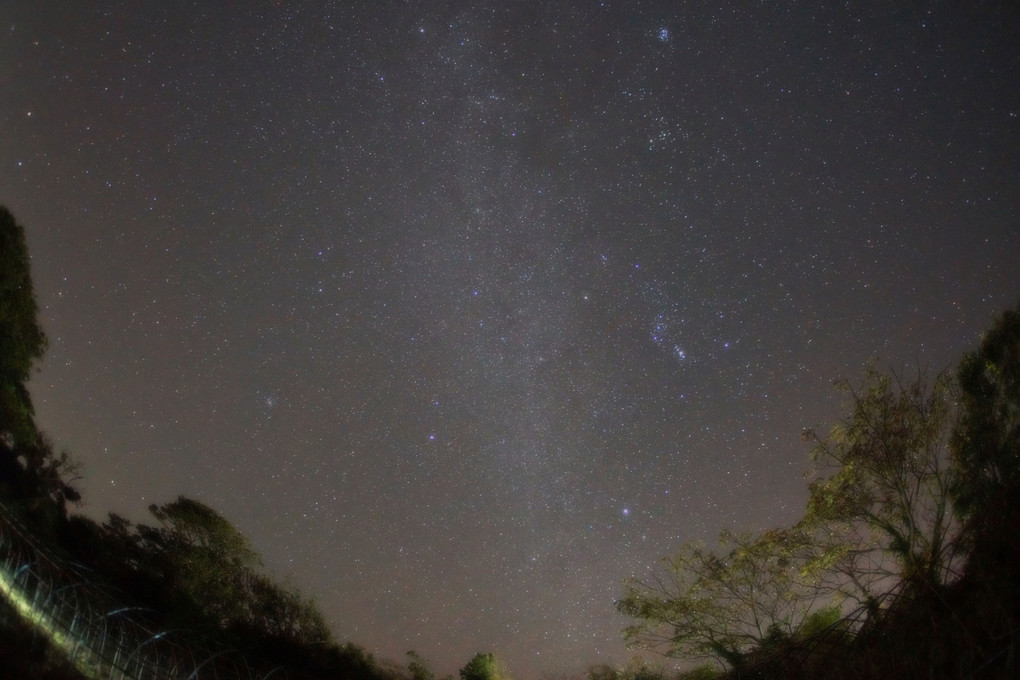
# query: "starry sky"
{"type": "Point", "coordinates": [465, 312]}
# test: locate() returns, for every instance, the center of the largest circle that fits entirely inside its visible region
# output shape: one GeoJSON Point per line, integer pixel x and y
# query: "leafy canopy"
{"type": "Point", "coordinates": [722, 604]}
{"type": "Point", "coordinates": [887, 496]}
{"type": "Point", "coordinates": [878, 516]}
{"type": "Point", "coordinates": [204, 558]}
{"type": "Point", "coordinates": [22, 340]}
{"type": "Point", "coordinates": [986, 443]}
{"type": "Point", "coordinates": [484, 666]}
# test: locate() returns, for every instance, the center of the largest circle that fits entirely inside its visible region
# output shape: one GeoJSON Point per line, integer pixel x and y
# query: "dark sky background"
{"type": "Point", "coordinates": [465, 312]}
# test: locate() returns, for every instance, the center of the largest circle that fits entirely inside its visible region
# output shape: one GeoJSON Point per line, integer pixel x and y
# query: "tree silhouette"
{"type": "Point", "coordinates": [22, 340]}
{"type": "Point", "coordinates": [31, 474]}
{"type": "Point", "coordinates": [986, 449]}
{"type": "Point", "coordinates": [724, 603]}
{"type": "Point", "coordinates": [986, 444]}
{"type": "Point", "coordinates": [203, 555]}
{"type": "Point", "coordinates": [879, 517]}
{"type": "Point", "coordinates": [887, 498]}
{"type": "Point", "coordinates": [484, 667]}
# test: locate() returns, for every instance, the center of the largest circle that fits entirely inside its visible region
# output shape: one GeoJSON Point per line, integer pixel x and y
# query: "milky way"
{"type": "Point", "coordinates": [465, 313]}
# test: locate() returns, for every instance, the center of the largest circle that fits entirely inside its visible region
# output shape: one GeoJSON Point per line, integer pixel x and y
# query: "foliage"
{"type": "Point", "coordinates": [880, 519]}
{"type": "Point", "coordinates": [703, 672]}
{"type": "Point", "coordinates": [282, 612]}
{"type": "Point", "coordinates": [986, 442]}
{"type": "Point", "coordinates": [418, 668]}
{"type": "Point", "coordinates": [636, 669]}
{"type": "Point", "coordinates": [201, 571]}
{"type": "Point", "coordinates": [31, 473]}
{"type": "Point", "coordinates": [203, 556]}
{"type": "Point", "coordinates": [351, 662]}
{"type": "Point", "coordinates": [720, 605]}
{"type": "Point", "coordinates": [484, 667]}
{"type": "Point", "coordinates": [40, 480]}
{"type": "Point", "coordinates": [886, 501]}
{"type": "Point", "coordinates": [819, 621]}
{"type": "Point", "coordinates": [22, 340]}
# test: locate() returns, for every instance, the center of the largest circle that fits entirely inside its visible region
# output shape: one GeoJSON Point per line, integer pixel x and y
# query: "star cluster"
{"type": "Point", "coordinates": [466, 312]}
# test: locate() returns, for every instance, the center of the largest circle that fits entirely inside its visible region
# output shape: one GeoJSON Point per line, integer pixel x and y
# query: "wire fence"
{"type": "Point", "coordinates": [102, 637]}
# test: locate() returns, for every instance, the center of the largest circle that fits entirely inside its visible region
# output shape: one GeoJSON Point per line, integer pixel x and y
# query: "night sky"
{"type": "Point", "coordinates": [465, 312]}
